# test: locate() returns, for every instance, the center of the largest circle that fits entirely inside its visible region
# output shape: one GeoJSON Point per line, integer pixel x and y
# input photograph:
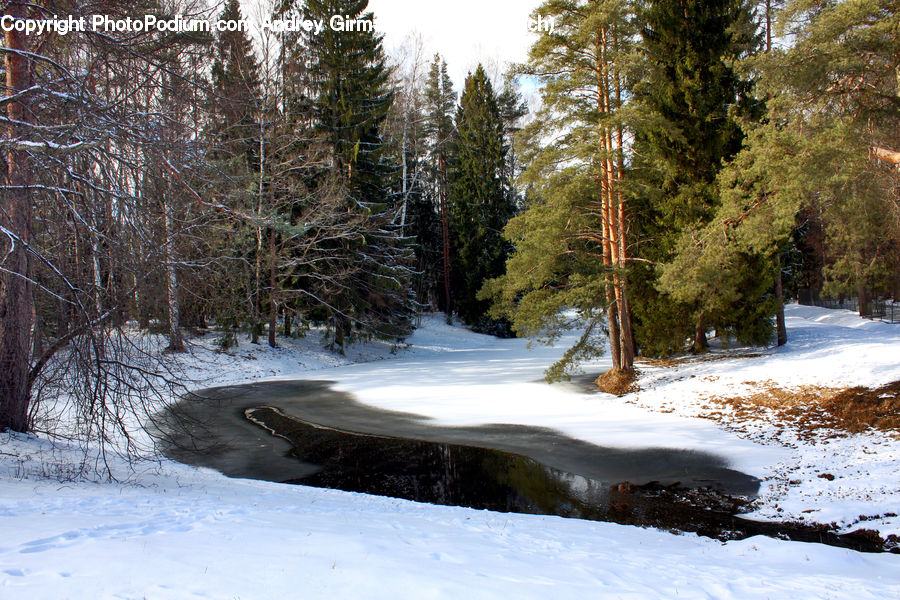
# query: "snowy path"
{"type": "Point", "coordinates": [178, 532]}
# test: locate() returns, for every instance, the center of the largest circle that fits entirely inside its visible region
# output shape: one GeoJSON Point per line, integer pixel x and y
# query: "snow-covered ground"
{"type": "Point", "coordinates": [171, 531]}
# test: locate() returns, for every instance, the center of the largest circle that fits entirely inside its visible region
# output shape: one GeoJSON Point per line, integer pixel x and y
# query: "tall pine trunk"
{"type": "Point", "coordinates": [16, 293]}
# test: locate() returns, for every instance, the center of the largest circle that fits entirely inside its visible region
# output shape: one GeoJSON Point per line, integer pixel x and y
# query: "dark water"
{"type": "Point", "coordinates": [306, 433]}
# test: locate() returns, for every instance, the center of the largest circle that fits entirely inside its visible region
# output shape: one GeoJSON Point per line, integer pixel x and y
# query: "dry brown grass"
{"type": "Point", "coordinates": [618, 382]}
{"type": "Point", "coordinates": [674, 361]}
{"type": "Point", "coordinates": [813, 408]}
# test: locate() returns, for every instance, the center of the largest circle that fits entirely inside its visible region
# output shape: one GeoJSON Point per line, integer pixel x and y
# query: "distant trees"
{"type": "Point", "coordinates": [479, 203]}
{"type": "Point", "coordinates": [170, 180]}
{"type": "Point", "coordinates": [677, 183]}
{"type": "Point", "coordinates": [461, 195]}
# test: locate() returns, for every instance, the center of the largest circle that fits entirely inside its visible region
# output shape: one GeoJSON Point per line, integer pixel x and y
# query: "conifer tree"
{"type": "Point", "coordinates": [689, 101]}
{"type": "Point", "coordinates": [235, 92]}
{"type": "Point", "coordinates": [571, 245]}
{"type": "Point", "coordinates": [440, 100]}
{"type": "Point", "coordinates": [819, 167]}
{"type": "Point", "coordinates": [479, 204]}
{"type": "Point", "coordinates": [235, 109]}
{"type": "Point", "coordinates": [345, 84]}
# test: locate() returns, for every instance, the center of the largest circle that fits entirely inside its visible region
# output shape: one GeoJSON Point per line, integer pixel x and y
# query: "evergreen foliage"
{"type": "Point", "coordinates": [562, 273]}
{"type": "Point", "coordinates": [689, 101]}
{"type": "Point", "coordinates": [235, 102]}
{"type": "Point", "coordinates": [835, 110]}
{"type": "Point", "coordinates": [479, 203]}
{"type": "Point", "coordinates": [345, 87]}
{"type": "Point", "coordinates": [235, 97]}
{"type": "Point", "coordinates": [440, 103]}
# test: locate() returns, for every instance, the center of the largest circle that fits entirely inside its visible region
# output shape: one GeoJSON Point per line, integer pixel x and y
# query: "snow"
{"type": "Point", "coordinates": [171, 531]}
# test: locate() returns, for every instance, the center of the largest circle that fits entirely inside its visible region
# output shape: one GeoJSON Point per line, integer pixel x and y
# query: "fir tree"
{"type": "Point", "coordinates": [479, 204]}
{"type": "Point", "coordinates": [688, 103]}
{"type": "Point", "coordinates": [235, 97]}
{"type": "Point", "coordinates": [440, 101]}
{"type": "Point", "coordinates": [235, 110]}
{"type": "Point", "coordinates": [346, 96]}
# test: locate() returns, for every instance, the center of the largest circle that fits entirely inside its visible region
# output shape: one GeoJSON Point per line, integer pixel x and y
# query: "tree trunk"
{"type": "Point", "coordinates": [273, 306]}
{"type": "Point", "coordinates": [865, 305]}
{"type": "Point", "coordinates": [256, 296]}
{"type": "Point", "coordinates": [176, 343]}
{"type": "Point", "coordinates": [16, 293]}
{"type": "Point", "coordinates": [608, 212]}
{"type": "Point", "coordinates": [445, 238]}
{"type": "Point", "coordinates": [779, 316]}
{"type": "Point", "coordinates": [700, 343]}
{"type": "Point", "coordinates": [887, 155]}
{"type": "Point", "coordinates": [625, 325]}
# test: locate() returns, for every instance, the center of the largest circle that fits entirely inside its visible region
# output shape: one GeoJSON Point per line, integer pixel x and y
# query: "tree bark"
{"type": "Point", "coordinates": [273, 280]}
{"type": "Point", "coordinates": [445, 236]}
{"type": "Point", "coordinates": [16, 293]}
{"type": "Point", "coordinates": [889, 155]}
{"type": "Point", "coordinates": [700, 342]}
{"type": "Point", "coordinates": [779, 315]}
{"type": "Point", "coordinates": [865, 305]}
{"type": "Point", "coordinates": [625, 326]}
{"type": "Point", "coordinates": [176, 343]}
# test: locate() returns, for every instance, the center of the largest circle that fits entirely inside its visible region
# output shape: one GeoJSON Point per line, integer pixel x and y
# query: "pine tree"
{"type": "Point", "coordinates": [817, 171]}
{"type": "Point", "coordinates": [571, 245]}
{"type": "Point", "coordinates": [479, 204]}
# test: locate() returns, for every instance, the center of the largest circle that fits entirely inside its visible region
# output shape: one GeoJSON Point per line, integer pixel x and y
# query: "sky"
{"type": "Point", "coordinates": [463, 31]}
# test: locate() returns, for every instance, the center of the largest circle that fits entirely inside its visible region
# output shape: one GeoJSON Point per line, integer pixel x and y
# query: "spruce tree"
{"type": "Point", "coordinates": [235, 93]}
{"type": "Point", "coordinates": [234, 132]}
{"type": "Point", "coordinates": [440, 101]}
{"type": "Point", "coordinates": [479, 204]}
{"type": "Point", "coordinates": [688, 102]}
{"type": "Point", "coordinates": [345, 94]}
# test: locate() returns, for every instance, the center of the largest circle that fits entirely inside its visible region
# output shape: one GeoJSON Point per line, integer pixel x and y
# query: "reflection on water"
{"type": "Point", "coordinates": [460, 475]}
{"type": "Point", "coordinates": [524, 469]}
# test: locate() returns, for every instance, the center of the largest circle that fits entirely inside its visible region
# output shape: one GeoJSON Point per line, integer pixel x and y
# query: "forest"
{"type": "Point", "coordinates": [689, 167]}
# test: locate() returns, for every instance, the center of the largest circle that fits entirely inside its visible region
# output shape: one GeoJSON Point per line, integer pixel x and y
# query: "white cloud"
{"type": "Point", "coordinates": [464, 32]}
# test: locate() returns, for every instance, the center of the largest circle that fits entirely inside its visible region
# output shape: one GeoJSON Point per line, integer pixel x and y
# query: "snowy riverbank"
{"type": "Point", "coordinates": [172, 531]}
